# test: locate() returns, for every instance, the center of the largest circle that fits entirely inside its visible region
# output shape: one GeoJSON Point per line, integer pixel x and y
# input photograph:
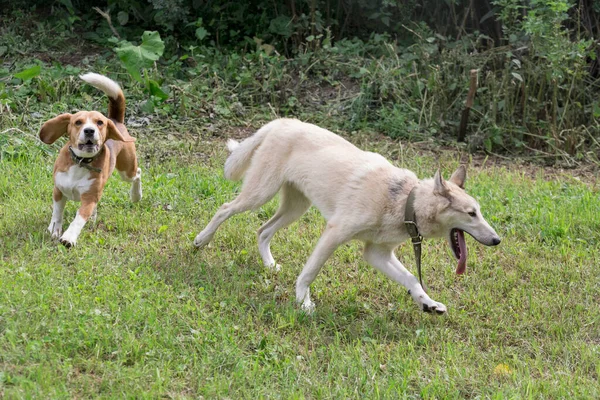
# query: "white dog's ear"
{"type": "Point", "coordinates": [54, 128]}
{"type": "Point", "coordinates": [439, 186]}
{"type": "Point", "coordinates": [459, 177]}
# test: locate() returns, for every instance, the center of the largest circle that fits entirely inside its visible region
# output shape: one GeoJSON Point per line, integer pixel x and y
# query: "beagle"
{"type": "Point", "coordinates": [97, 145]}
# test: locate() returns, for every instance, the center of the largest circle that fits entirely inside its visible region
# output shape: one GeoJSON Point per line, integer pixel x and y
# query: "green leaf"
{"type": "Point", "coordinates": [201, 33]}
{"type": "Point", "coordinates": [596, 110]}
{"type": "Point", "coordinates": [155, 90]}
{"type": "Point", "coordinates": [29, 73]}
{"type": "Point", "coordinates": [136, 58]}
{"type": "Point", "coordinates": [282, 26]}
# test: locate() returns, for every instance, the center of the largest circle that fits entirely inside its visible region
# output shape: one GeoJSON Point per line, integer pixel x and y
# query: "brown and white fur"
{"type": "Point", "coordinates": [361, 195]}
{"type": "Point", "coordinates": [104, 141]}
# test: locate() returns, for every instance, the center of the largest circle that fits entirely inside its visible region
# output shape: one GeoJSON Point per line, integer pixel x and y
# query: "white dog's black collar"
{"type": "Point", "coordinates": [410, 222]}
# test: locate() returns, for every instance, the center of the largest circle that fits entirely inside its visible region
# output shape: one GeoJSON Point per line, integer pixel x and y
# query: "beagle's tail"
{"type": "Point", "coordinates": [116, 98]}
{"type": "Point", "coordinates": [241, 154]}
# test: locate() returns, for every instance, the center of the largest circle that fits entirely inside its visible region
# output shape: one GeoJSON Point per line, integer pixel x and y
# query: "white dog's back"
{"type": "Point", "coordinates": [322, 165]}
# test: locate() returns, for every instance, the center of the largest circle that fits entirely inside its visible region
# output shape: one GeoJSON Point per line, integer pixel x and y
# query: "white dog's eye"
{"type": "Point", "coordinates": [473, 214]}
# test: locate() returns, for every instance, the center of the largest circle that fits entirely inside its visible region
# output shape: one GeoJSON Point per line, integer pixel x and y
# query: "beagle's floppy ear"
{"type": "Point", "coordinates": [54, 128]}
{"type": "Point", "coordinates": [118, 132]}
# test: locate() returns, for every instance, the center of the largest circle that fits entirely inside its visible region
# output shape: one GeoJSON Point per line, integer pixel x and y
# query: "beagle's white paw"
{"type": "Point", "coordinates": [55, 229]}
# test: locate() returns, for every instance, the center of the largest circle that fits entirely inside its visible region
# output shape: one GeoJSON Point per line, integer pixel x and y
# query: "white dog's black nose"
{"type": "Point", "coordinates": [496, 241]}
{"type": "Point", "coordinates": [89, 131]}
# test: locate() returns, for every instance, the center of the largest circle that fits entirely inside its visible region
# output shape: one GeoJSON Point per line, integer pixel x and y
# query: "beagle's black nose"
{"type": "Point", "coordinates": [89, 131]}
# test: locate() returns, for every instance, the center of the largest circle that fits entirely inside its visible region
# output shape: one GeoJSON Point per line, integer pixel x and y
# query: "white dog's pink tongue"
{"type": "Point", "coordinates": [462, 261]}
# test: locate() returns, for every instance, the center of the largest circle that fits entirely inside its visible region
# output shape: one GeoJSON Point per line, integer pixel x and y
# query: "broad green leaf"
{"type": "Point", "coordinates": [281, 26]}
{"type": "Point", "coordinates": [201, 33]}
{"type": "Point", "coordinates": [136, 58]}
{"type": "Point", "coordinates": [155, 90]}
{"type": "Point", "coordinates": [29, 73]}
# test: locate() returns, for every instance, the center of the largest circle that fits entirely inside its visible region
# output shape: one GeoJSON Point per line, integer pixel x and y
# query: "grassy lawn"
{"type": "Point", "coordinates": [134, 311]}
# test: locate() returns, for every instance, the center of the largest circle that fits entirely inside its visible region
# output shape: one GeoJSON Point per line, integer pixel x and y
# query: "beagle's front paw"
{"type": "Point", "coordinates": [55, 229]}
{"type": "Point", "coordinates": [68, 240]}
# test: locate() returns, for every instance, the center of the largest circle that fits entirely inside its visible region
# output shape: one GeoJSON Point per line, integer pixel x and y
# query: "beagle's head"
{"type": "Point", "coordinates": [87, 131]}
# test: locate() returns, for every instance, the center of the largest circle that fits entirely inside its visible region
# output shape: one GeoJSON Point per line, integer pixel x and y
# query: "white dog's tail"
{"type": "Point", "coordinates": [241, 154]}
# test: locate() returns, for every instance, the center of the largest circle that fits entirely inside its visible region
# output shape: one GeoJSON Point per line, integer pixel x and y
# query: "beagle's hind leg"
{"type": "Point", "coordinates": [130, 172]}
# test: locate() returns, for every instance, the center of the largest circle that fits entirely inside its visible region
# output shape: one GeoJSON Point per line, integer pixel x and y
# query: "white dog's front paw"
{"type": "Point", "coordinates": [273, 266]}
{"type": "Point", "coordinates": [434, 307]}
{"type": "Point", "coordinates": [55, 229]}
{"type": "Point", "coordinates": [68, 240]}
{"type": "Point", "coordinates": [303, 298]}
{"type": "Point", "coordinates": [308, 306]}
{"type": "Point", "coordinates": [202, 240]}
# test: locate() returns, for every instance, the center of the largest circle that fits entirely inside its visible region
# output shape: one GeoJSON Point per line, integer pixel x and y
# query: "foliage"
{"type": "Point", "coordinates": [536, 82]}
{"type": "Point", "coordinates": [138, 59]}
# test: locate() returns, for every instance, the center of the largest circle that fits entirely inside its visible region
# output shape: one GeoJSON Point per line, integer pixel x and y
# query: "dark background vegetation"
{"type": "Point", "coordinates": [398, 68]}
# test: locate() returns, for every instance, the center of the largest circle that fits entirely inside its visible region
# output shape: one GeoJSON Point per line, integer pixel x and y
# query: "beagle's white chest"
{"type": "Point", "coordinates": [73, 183]}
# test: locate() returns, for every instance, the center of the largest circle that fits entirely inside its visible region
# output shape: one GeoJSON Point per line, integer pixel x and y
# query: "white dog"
{"type": "Point", "coordinates": [361, 195]}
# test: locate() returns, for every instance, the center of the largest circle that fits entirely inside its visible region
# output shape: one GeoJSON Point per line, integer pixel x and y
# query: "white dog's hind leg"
{"type": "Point", "coordinates": [384, 260]}
{"type": "Point", "coordinates": [293, 204]}
{"type": "Point", "coordinates": [259, 187]}
{"type": "Point", "coordinates": [225, 211]}
{"type": "Point", "coordinates": [329, 241]}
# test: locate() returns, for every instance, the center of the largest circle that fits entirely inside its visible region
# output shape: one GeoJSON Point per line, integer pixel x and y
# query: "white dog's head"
{"type": "Point", "coordinates": [448, 211]}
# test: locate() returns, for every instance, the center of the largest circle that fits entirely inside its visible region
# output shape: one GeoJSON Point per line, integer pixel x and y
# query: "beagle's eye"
{"type": "Point", "coordinates": [78, 122]}
{"type": "Point", "coordinates": [100, 122]}
{"type": "Point", "coordinates": [472, 214]}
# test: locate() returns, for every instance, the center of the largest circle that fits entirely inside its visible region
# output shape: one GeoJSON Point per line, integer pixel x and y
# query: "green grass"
{"type": "Point", "coordinates": [134, 311]}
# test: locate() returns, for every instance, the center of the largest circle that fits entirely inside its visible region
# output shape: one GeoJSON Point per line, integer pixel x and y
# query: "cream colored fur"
{"type": "Point", "coordinates": [361, 195]}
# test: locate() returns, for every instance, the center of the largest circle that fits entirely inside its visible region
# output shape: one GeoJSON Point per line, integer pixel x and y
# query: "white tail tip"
{"type": "Point", "coordinates": [107, 85]}
{"type": "Point", "coordinates": [232, 145]}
